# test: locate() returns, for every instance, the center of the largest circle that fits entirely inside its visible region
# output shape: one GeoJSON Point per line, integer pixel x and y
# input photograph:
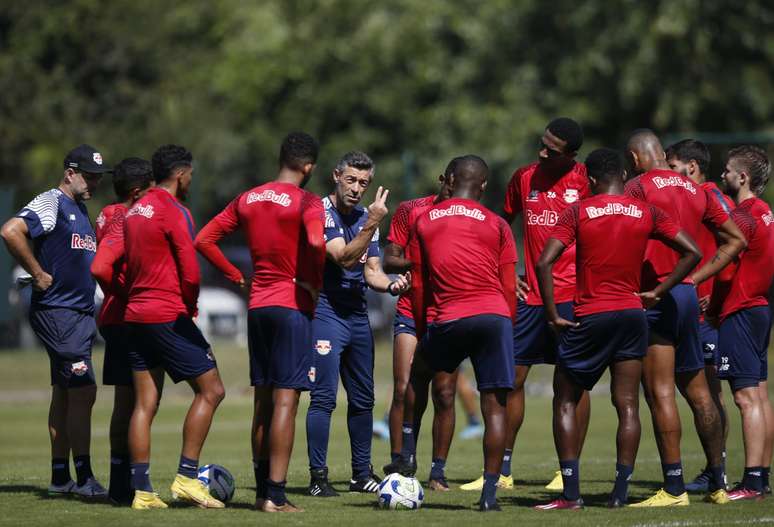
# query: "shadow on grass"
{"type": "Point", "coordinates": [431, 506]}
{"type": "Point", "coordinates": [29, 489]}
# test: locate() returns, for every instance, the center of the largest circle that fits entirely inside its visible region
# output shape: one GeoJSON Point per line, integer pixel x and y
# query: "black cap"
{"type": "Point", "coordinates": [85, 158]}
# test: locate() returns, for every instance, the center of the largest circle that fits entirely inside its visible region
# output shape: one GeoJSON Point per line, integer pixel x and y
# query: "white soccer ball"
{"type": "Point", "coordinates": [399, 492]}
{"type": "Point", "coordinates": [218, 481]}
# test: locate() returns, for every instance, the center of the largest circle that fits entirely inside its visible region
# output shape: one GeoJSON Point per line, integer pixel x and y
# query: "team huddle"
{"type": "Point", "coordinates": [634, 262]}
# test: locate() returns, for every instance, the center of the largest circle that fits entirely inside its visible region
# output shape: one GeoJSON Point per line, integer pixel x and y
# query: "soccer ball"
{"type": "Point", "coordinates": [399, 492]}
{"type": "Point", "coordinates": [218, 481]}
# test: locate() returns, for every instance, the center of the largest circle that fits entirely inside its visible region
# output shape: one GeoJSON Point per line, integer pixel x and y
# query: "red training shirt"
{"type": "Point", "coordinates": [459, 246]}
{"type": "Point", "coordinates": [541, 197]}
{"type": "Point", "coordinates": [109, 266]}
{"type": "Point", "coordinates": [686, 203]}
{"type": "Point", "coordinates": [162, 273]}
{"type": "Point", "coordinates": [400, 228]}
{"type": "Point", "coordinates": [611, 234]}
{"type": "Point", "coordinates": [706, 239]}
{"type": "Point", "coordinates": [752, 279]}
{"type": "Point", "coordinates": [283, 225]}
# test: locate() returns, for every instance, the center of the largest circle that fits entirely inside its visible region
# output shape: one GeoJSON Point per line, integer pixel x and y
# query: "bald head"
{"type": "Point", "coordinates": [645, 152]}
{"type": "Point", "coordinates": [468, 176]}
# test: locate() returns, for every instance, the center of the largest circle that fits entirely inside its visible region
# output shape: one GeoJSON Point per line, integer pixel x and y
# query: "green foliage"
{"type": "Point", "coordinates": [411, 83]}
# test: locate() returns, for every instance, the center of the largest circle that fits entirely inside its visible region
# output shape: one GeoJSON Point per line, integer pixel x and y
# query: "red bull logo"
{"type": "Point", "coordinates": [145, 211]}
{"type": "Point", "coordinates": [545, 218]}
{"type": "Point", "coordinates": [269, 195]}
{"type": "Point", "coordinates": [85, 242]}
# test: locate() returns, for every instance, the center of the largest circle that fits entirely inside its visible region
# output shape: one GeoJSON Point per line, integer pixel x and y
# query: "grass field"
{"type": "Point", "coordinates": [24, 462]}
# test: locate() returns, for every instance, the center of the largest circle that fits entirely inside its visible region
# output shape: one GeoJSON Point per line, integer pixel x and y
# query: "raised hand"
{"type": "Point", "coordinates": [378, 209]}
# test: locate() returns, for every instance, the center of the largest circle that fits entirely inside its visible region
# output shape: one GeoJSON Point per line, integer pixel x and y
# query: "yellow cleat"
{"type": "Point", "coordinates": [557, 483]}
{"type": "Point", "coordinates": [664, 499]}
{"type": "Point", "coordinates": [194, 491]}
{"type": "Point", "coordinates": [505, 482]}
{"type": "Point", "coordinates": [144, 500]}
{"type": "Point", "coordinates": [719, 497]}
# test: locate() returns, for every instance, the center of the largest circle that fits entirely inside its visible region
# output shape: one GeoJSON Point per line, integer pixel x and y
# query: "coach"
{"type": "Point", "coordinates": [62, 309]}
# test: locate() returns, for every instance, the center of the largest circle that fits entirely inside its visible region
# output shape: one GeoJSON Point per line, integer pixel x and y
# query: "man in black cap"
{"type": "Point", "coordinates": [62, 309]}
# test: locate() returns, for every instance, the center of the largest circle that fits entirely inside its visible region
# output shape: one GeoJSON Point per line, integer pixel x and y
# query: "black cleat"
{"type": "Point", "coordinates": [486, 506]}
{"type": "Point", "coordinates": [402, 467]}
{"type": "Point", "coordinates": [615, 503]}
{"type": "Point", "coordinates": [319, 486]}
{"type": "Point", "coordinates": [368, 485]}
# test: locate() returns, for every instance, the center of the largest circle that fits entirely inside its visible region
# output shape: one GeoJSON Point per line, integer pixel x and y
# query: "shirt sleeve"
{"type": "Point", "coordinates": [508, 252]}
{"type": "Point", "coordinates": [110, 251]}
{"type": "Point", "coordinates": [40, 213]}
{"type": "Point", "coordinates": [513, 205]}
{"type": "Point", "coordinates": [206, 241]}
{"type": "Point", "coordinates": [664, 227]}
{"type": "Point", "coordinates": [566, 228]}
{"type": "Point", "coordinates": [332, 229]}
{"type": "Point", "coordinates": [399, 226]}
{"type": "Point", "coordinates": [745, 222]}
{"type": "Point", "coordinates": [373, 245]}
{"type": "Point", "coordinates": [714, 212]}
{"type": "Point", "coordinates": [585, 191]}
{"type": "Point", "coordinates": [313, 217]}
{"type": "Point", "coordinates": [179, 231]}
{"type": "Point", "coordinates": [634, 189]}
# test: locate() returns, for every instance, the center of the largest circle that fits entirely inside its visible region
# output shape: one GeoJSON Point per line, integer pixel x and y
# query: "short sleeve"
{"type": "Point", "coordinates": [714, 213]}
{"type": "Point", "coordinates": [332, 229]}
{"type": "Point", "coordinates": [513, 203]}
{"type": "Point", "coordinates": [113, 233]}
{"type": "Point", "coordinates": [228, 218]}
{"type": "Point", "coordinates": [508, 252]}
{"type": "Point", "coordinates": [399, 226]}
{"type": "Point", "coordinates": [312, 208]}
{"type": "Point", "coordinates": [566, 227]}
{"type": "Point", "coordinates": [40, 213]}
{"type": "Point", "coordinates": [663, 226]}
{"type": "Point", "coordinates": [634, 189]}
{"type": "Point", "coordinates": [373, 245]}
{"type": "Point", "coordinates": [745, 221]}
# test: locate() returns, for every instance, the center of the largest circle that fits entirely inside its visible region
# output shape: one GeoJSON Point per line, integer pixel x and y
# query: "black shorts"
{"type": "Point", "coordinates": [68, 336]}
{"type": "Point", "coordinates": [486, 339]}
{"type": "Point", "coordinates": [116, 370]}
{"type": "Point", "coordinates": [600, 340]}
{"type": "Point", "coordinates": [179, 347]}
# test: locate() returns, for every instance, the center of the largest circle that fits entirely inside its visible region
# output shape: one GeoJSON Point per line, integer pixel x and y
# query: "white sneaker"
{"type": "Point", "coordinates": [61, 490]}
{"type": "Point", "coordinates": [90, 489]}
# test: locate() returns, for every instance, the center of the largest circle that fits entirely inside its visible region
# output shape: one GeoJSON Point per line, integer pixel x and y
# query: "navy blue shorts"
{"type": "Point", "coordinates": [600, 340]}
{"type": "Point", "coordinates": [179, 347]}
{"type": "Point", "coordinates": [403, 324]}
{"type": "Point", "coordinates": [708, 337]}
{"type": "Point", "coordinates": [68, 336]}
{"type": "Point", "coordinates": [676, 318]}
{"type": "Point", "coordinates": [534, 342]}
{"type": "Point", "coordinates": [486, 339]}
{"type": "Point", "coordinates": [280, 344]}
{"type": "Point", "coordinates": [116, 370]}
{"type": "Point", "coordinates": [743, 339]}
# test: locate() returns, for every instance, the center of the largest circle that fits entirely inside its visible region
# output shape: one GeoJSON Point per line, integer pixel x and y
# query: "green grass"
{"type": "Point", "coordinates": [24, 461]}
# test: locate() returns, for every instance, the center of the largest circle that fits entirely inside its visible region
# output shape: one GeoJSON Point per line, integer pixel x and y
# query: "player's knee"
{"type": "Point", "coordinates": [399, 395]}
{"type": "Point", "coordinates": [322, 403]}
{"type": "Point", "coordinates": [215, 394]}
{"type": "Point", "coordinates": [443, 398]}
{"type": "Point", "coordinates": [745, 399]}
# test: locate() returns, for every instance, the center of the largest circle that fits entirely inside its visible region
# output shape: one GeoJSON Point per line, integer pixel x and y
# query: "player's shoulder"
{"type": "Point", "coordinates": [524, 172]}
{"type": "Point", "coordinates": [46, 199]}
{"type": "Point", "coordinates": [310, 199]}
